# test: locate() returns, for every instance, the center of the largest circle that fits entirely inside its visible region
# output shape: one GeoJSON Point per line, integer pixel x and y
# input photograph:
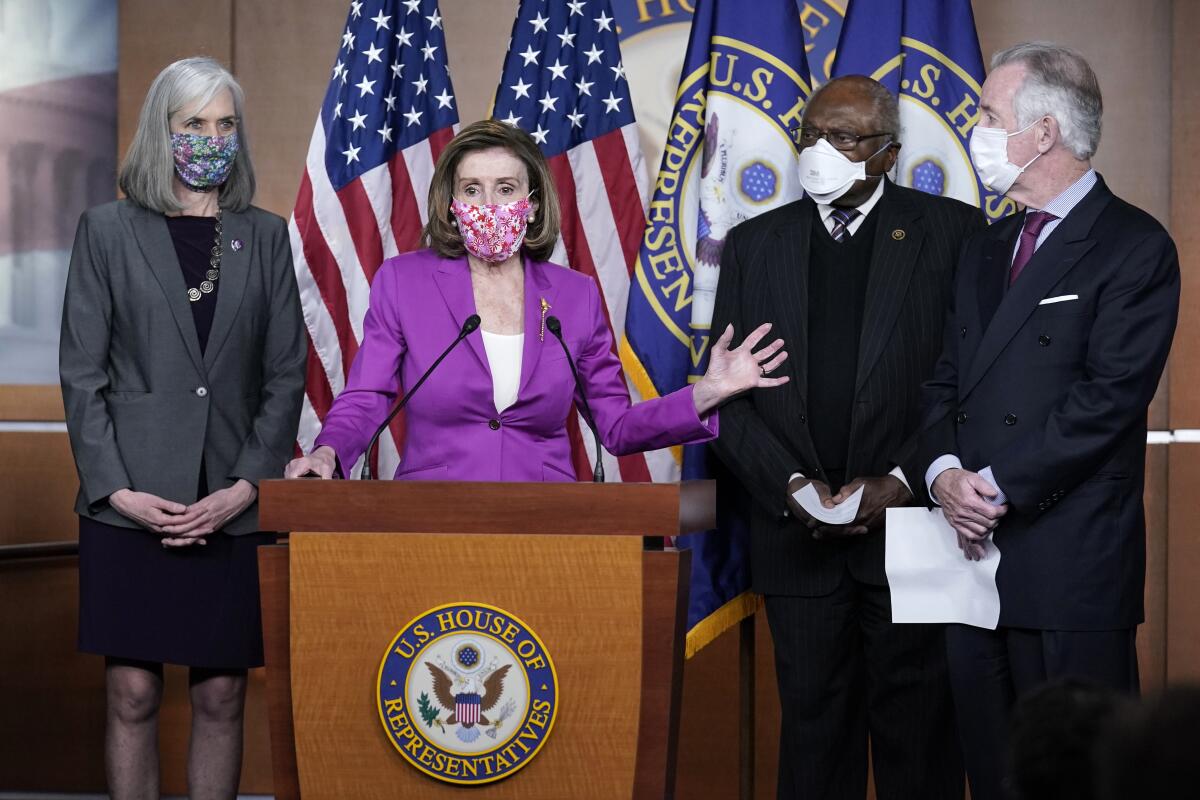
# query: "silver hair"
{"type": "Point", "coordinates": [887, 105]}
{"type": "Point", "coordinates": [1058, 83]}
{"type": "Point", "coordinates": [148, 172]}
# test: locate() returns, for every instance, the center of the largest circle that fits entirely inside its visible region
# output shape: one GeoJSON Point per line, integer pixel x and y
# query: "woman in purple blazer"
{"type": "Point", "coordinates": [496, 408]}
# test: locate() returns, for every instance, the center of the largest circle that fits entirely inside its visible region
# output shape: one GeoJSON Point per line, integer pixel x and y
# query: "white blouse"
{"type": "Point", "coordinates": [504, 358]}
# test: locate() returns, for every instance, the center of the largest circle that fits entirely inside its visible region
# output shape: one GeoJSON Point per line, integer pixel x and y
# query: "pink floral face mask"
{"type": "Point", "coordinates": [491, 231]}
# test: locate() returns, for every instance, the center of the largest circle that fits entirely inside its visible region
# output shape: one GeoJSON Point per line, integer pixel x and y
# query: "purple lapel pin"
{"type": "Point", "coordinates": [236, 244]}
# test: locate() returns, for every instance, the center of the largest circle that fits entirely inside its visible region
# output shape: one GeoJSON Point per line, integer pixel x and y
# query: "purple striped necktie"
{"type": "Point", "coordinates": [842, 217]}
{"type": "Point", "coordinates": [1034, 222]}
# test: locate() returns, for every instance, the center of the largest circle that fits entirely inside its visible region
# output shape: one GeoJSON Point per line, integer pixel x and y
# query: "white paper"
{"type": "Point", "coordinates": [930, 579]}
{"type": "Point", "coordinates": [841, 514]}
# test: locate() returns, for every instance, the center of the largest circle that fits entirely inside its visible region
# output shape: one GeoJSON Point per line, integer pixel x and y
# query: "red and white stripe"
{"type": "Point", "coordinates": [602, 190]}
{"type": "Point", "coordinates": [339, 239]}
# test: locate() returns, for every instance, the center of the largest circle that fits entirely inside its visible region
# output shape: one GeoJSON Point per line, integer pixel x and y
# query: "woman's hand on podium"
{"type": "Point", "coordinates": [320, 463]}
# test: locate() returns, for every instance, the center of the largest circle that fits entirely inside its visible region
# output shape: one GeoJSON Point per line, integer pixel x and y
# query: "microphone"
{"type": "Point", "coordinates": [366, 474]}
{"type": "Point", "coordinates": [553, 325]}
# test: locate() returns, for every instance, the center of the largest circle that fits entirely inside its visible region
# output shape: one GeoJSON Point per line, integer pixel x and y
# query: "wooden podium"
{"type": "Point", "coordinates": [569, 560]}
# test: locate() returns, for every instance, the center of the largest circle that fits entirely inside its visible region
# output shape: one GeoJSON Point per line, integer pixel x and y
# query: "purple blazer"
{"type": "Point", "coordinates": [419, 302]}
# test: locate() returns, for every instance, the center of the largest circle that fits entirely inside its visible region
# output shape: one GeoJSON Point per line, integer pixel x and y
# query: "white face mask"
{"type": "Point", "coordinates": [989, 154]}
{"type": "Point", "coordinates": [826, 173]}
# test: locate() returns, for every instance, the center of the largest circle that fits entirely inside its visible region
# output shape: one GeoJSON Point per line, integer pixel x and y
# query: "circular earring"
{"type": "Point", "coordinates": [454, 222]}
{"type": "Point", "coordinates": [530, 218]}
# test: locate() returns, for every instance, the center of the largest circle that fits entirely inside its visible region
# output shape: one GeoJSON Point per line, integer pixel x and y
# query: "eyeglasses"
{"type": "Point", "coordinates": [807, 136]}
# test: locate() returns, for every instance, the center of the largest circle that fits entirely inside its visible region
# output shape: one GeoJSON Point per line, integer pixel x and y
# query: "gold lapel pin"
{"type": "Point", "coordinates": [898, 234]}
{"type": "Point", "coordinates": [542, 330]}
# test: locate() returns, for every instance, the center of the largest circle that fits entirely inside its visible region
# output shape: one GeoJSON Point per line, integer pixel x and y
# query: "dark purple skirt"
{"type": "Point", "coordinates": [196, 606]}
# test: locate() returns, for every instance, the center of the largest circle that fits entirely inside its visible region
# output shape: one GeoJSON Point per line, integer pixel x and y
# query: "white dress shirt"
{"type": "Point", "coordinates": [504, 353]}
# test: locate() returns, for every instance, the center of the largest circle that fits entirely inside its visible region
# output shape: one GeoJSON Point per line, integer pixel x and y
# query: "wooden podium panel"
{"type": "Point", "coordinates": [352, 593]}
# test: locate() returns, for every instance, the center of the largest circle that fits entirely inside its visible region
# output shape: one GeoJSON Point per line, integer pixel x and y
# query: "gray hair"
{"type": "Point", "coordinates": [148, 172]}
{"type": "Point", "coordinates": [887, 105]}
{"type": "Point", "coordinates": [1058, 83]}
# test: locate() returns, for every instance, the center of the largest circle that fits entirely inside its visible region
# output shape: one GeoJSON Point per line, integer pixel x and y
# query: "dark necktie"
{"type": "Point", "coordinates": [842, 217]}
{"type": "Point", "coordinates": [1034, 222]}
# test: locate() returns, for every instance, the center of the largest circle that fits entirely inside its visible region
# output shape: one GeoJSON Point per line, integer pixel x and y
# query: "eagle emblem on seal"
{"type": "Point", "coordinates": [467, 696]}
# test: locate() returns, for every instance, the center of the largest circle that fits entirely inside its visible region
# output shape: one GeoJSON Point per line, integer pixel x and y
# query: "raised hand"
{"type": "Point", "coordinates": [731, 372]}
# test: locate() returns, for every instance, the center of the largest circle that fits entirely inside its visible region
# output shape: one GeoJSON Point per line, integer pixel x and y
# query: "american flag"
{"type": "Point", "coordinates": [388, 112]}
{"type": "Point", "coordinates": [564, 83]}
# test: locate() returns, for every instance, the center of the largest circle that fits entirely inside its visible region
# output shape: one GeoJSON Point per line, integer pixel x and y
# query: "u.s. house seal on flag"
{"type": "Point", "coordinates": [467, 693]}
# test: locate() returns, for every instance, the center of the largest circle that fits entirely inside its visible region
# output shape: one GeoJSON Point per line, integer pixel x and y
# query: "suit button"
{"type": "Point", "coordinates": [1010, 419]}
{"type": "Point", "coordinates": [963, 332]}
{"type": "Point", "coordinates": [961, 418]}
{"type": "Point", "coordinates": [1044, 340]}
{"type": "Point", "coordinates": [201, 392]}
{"type": "Point", "coordinates": [494, 424]}
{"type": "Point", "coordinates": [803, 419]}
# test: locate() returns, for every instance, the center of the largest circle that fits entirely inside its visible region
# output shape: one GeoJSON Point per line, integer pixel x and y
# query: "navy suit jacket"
{"type": "Point", "coordinates": [1053, 397]}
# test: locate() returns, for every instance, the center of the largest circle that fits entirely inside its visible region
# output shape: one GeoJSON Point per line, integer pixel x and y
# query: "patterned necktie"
{"type": "Point", "coordinates": [1034, 222]}
{"type": "Point", "coordinates": [842, 217]}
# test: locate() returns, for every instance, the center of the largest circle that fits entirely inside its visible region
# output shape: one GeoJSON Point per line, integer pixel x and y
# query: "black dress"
{"type": "Point", "coordinates": [197, 605]}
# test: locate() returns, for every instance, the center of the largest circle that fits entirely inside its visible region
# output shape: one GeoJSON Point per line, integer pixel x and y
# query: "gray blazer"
{"type": "Point", "coordinates": [143, 408]}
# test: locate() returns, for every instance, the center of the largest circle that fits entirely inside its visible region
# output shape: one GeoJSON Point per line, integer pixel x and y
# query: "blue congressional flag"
{"type": "Point", "coordinates": [822, 22]}
{"type": "Point", "coordinates": [728, 157]}
{"type": "Point", "coordinates": [927, 52]}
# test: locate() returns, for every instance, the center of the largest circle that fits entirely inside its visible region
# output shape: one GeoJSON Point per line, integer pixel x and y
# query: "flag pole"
{"type": "Point", "coordinates": [746, 632]}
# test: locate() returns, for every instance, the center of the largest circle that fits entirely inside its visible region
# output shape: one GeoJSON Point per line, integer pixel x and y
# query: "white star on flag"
{"type": "Point", "coordinates": [413, 116]}
{"type": "Point", "coordinates": [444, 99]}
{"type": "Point", "coordinates": [558, 70]}
{"type": "Point", "coordinates": [351, 154]}
{"type": "Point", "coordinates": [372, 54]}
{"type": "Point", "coordinates": [521, 88]}
{"type": "Point", "coordinates": [530, 55]}
{"type": "Point", "coordinates": [381, 20]}
{"type": "Point", "coordinates": [359, 120]}
{"type": "Point", "coordinates": [548, 102]}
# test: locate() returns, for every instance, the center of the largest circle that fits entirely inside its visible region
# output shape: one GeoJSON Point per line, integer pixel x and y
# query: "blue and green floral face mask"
{"type": "Point", "coordinates": [203, 162]}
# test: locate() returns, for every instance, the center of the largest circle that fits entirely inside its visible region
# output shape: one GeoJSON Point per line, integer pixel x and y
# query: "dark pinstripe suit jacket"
{"type": "Point", "coordinates": [765, 434]}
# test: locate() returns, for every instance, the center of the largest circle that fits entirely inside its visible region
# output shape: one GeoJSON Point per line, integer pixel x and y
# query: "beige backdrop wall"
{"type": "Point", "coordinates": [1146, 56]}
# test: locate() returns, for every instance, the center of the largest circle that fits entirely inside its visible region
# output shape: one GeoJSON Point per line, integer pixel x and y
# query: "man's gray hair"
{"type": "Point", "coordinates": [1058, 83]}
{"type": "Point", "coordinates": [148, 172]}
